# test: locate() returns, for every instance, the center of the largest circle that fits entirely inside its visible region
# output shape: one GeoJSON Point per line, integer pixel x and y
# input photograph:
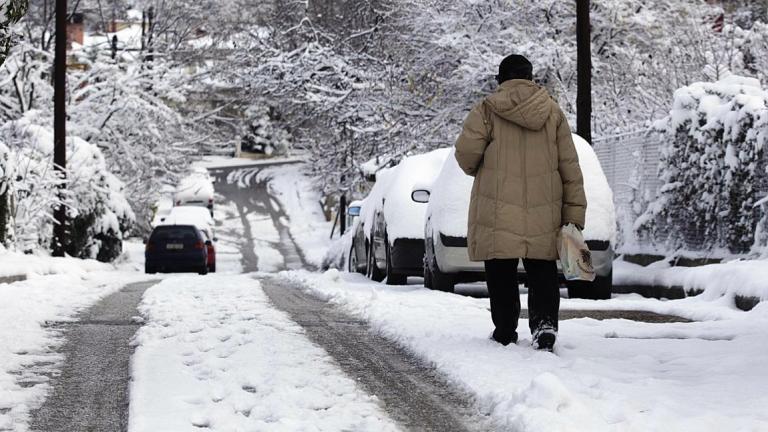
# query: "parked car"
{"type": "Point", "coordinates": [389, 237]}
{"type": "Point", "coordinates": [356, 245]}
{"type": "Point", "coordinates": [211, 252]}
{"type": "Point", "coordinates": [176, 248]}
{"type": "Point", "coordinates": [195, 190]}
{"type": "Point", "coordinates": [447, 261]}
{"type": "Point", "coordinates": [202, 220]}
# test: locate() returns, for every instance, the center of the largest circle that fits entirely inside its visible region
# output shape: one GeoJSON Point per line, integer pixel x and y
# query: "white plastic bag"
{"type": "Point", "coordinates": [575, 257]}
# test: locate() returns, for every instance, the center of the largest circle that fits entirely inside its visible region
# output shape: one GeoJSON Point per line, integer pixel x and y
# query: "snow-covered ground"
{"type": "Point", "coordinates": [25, 311]}
{"type": "Point", "coordinates": [19, 264]}
{"type": "Point", "coordinates": [611, 375]}
{"type": "Point", "coordinates": [726, 280]}
{"type": "Point", "coordinates": [215, 355]}
{"type": "Point", "coordinates": [297, 193]}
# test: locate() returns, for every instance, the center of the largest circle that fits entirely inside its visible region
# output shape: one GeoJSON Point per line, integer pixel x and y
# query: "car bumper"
{"type": "Point", "coordinates": [454, 257]}
{"type": "Point", "coordinates": [187, 262]}
{"type": "Point", "coordinates": [408, 256]}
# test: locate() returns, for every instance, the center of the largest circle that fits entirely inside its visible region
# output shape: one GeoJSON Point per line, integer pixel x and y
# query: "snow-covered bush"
{"type": "Point", "coordinates": [711, 163]}
{"type": "Point", "coordinates": [263, 133]}
{"type": "Point", "coordinates": [11, 11]}
{"type": "Point", "coordinates": [97, 210]}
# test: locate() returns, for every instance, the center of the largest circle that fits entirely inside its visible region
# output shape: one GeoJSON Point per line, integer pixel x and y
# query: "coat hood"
{"type": "Point", "coordinates": [522, 102]}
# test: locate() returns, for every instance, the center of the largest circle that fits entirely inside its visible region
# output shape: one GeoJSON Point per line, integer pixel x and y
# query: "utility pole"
{"type": "Point", "coordinates": [59, 126]}
{"type": "Point", "coordinates": [584, 71]}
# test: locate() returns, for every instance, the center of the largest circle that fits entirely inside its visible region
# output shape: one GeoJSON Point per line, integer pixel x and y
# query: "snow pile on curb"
{"type": "Point", "coordinates": [747, 278]}
{"type": "Point", "coordinates": [215, 355]}
{"type": "Point", "coordinates": [19, 264]}
{"type": "Point", "coordinates": [611, 375]}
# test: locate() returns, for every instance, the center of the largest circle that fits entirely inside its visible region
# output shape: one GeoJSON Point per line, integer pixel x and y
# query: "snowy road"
{"type": "Point", "coordinates": [268, 344]}
{"type": "Point", "coordinates": [91, 392]}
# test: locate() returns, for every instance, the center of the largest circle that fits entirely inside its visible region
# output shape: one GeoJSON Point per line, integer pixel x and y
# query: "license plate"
{"type": "Point", "coordinates": [174, 246]}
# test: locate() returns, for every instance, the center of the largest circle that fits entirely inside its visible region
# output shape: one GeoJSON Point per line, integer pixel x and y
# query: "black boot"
{"type": "Point", "coordinates": [544, 338]}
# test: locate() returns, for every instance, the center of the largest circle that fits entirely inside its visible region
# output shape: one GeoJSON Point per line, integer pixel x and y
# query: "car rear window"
{"type": "Point", "coordinates": [176, 232]}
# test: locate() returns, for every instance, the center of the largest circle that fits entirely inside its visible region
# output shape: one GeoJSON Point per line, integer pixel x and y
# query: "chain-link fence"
{"type": "Point", "coordinates": [631, 162]}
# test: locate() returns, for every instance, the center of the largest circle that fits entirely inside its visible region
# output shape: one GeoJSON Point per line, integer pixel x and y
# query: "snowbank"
{"type": "Point", "coordinates": [215, 354]}
{"type": "Point", "coordinates": [611, 375]}
{"type": "Point", "coordinates": [748, 278]}
{"type": "Point", "coordinates": [19, 264]}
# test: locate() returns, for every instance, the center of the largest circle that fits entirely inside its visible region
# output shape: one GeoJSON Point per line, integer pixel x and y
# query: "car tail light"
{"type": "Point", "coordinates": [199, 245]}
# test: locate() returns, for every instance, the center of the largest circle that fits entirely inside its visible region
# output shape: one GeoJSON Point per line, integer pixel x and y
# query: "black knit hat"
{"type": "Point", "coordinates": [514, 67]}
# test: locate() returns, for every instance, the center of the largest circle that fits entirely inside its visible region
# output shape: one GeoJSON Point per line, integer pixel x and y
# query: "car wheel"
{"type": "Point", "coordinates": [442, 281]}
{"type": "Point", "coordinates": [149, 269]}
{"type": "Point", "coordinates": [433, 277]}
{"type": "Point", "coordinates": [374, 273]}
{"type": "Point", "coordinates": [204, 270]}
{"type": "Point", "coordinates": [212, 269]}
{"type": "Point", "coordinates": [599, 289]}
{"type": "Point", "coordinates": [392, 277]}
{"type": "Point", "coordinates": [352, 266]}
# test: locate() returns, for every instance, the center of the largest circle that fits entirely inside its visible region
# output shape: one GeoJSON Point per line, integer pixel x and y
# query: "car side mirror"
{"type": "Point", "coordinates": [353, 211]}
{"type": "Point", "coordinates": [215, 239]}
{"type": "Point", "coordinates": [420, 196]}
{"type": "Point", "coordinates": [144, 240]}
{"type": "Point", "coordinates": [208, 243]}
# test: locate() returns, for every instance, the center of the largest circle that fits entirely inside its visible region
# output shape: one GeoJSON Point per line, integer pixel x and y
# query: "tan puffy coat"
{"type": "Point", "coordinates": [528, 183]}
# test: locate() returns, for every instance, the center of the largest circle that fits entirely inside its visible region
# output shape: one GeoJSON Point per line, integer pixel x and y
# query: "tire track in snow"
{"type": "Point", "coordinates": [414, 394]}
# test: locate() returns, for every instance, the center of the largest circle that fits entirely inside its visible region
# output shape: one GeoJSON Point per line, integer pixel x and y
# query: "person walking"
{"type": "Point", "coordinates": [517, 145]}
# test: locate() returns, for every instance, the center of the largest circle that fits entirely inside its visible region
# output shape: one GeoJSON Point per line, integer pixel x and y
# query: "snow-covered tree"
{"type": "Point", "coordinates": [6, 196]}
{"type": "Point", "coordinates": [711, 165]}
{"type": "Point", "coordinates": [98, 212]}
{"type": "Point", "coordinates": [11, 11]}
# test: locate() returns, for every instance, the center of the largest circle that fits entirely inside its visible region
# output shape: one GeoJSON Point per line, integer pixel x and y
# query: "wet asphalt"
{"type": "Point", "coordinates": [90, 392]}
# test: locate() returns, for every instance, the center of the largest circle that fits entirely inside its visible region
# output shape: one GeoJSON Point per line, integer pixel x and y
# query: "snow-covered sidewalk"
{"type": "Point", "coordinates": [612, 375]}
{"type": "Point", "coordinates": [215, 354]}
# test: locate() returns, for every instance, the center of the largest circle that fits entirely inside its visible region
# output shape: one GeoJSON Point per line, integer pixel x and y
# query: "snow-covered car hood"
{"type": "Point", "coordinates": [448, 205]}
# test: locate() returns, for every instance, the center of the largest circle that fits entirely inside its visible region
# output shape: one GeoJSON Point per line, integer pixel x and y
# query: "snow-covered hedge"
{"type": "Point", "coordinates": [711, 167]}
{"type": "Point", "coordinates": [98, 212]}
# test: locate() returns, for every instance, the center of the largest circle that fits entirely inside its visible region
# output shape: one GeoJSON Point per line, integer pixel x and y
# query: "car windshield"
{"type": "Point", "coordinates": [166, 233]}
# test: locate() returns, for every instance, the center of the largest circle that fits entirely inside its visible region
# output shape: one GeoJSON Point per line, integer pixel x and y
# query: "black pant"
{"type": "Point", "coordinates": [543, 294]}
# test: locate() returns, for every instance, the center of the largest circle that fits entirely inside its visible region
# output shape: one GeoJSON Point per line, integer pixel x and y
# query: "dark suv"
{"type": "Point", "coordinates": [176, 248]}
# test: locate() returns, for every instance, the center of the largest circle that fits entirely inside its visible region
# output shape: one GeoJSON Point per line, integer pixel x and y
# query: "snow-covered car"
{"type": "Point", "coordinates": [389, 238]}
{"type": "Point", "coordinates": [200, 218]}
{"type": "Point", "coordinates": [195, 190]}
{"type": "Point", "coordinates": [447, 261]}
